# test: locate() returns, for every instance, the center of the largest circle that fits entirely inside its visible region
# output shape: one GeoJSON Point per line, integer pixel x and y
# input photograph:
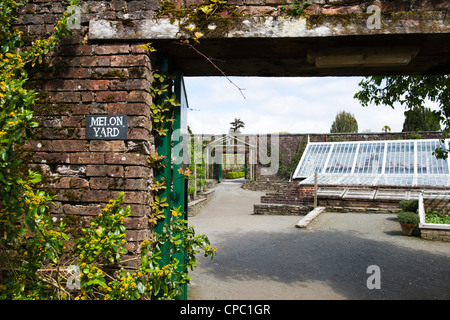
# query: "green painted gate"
{"type": "Point", "coordinates": [177, 193]}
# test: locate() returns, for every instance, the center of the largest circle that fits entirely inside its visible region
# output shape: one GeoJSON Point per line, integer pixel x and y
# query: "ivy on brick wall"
{"type": "Point", "coordinates": [40, 259]}
{"type": "Point", "coordinates": [30, 241]}
{"type": "Point", "coordinates": [176, 235]}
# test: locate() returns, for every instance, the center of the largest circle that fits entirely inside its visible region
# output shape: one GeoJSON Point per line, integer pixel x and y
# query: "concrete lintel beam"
{"type": "Point", "coordinates": [261, 27]}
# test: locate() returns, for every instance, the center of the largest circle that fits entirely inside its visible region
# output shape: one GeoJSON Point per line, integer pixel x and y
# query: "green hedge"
{"type": "Point", "coordinates": [234, 175]}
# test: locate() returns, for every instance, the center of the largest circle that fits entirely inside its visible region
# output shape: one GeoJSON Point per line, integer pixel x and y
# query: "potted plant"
{"type": "Point", "coordinates": [408, 221]}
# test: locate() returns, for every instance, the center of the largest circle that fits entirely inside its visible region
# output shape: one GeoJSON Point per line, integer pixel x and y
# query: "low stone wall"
{"type": "Point", "coordinates": [195, 206]}
{"type": "Point", "coordinates": [281, 209]}
{"type": "Point", "coordinates": [360, 206]}
{"type": "Point", "coordinates": [268, 186]}
{"type": "Point", "coordinates": [435, 234]}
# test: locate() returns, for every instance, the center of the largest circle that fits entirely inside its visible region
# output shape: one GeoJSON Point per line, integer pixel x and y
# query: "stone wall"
{"type": "Point", "coordinates": [303, 195]}
{"type": "Point", "coordinates": [268, 186]}
{"type": "Point", "coordinates": [435, 234]}
{"type": "Point", "coordinates": [281, 209]}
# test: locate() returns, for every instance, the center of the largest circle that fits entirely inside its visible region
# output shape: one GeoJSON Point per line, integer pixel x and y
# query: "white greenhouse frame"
{"type": "Point", "coordinates": [374, 163]}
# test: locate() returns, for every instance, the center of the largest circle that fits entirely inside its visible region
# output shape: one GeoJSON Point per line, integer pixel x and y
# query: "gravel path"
{"type": "Point", "coordinates": [267, 258]}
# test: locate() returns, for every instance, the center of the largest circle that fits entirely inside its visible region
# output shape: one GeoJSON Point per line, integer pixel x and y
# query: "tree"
{"type": "Point", "coordinates": [411, 92]}
{"type": "Point", "coordinates": [344, 122]}
{"type": "Point", "coordinates": [386, 129]}
{"type": "Point", "coordinates": [421, 119]}
{"type": "Point", "coordinates": [237, 124]}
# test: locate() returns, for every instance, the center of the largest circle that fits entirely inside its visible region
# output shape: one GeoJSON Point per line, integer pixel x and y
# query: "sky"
{"type": "Point", "coordinates": [273, 105]}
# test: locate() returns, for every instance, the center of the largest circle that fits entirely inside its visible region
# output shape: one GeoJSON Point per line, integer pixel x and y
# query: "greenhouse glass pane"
{"type": "Point", "coordinates": [395, 180]}
{"type": "Point", "coordinates": [400, 157]}
{"type": "Point", "coordinates": [370, 158]}
{"type": "Point", "coordinates": [427, 163]}
{"type": "Point", "coordinates": [341, 159]}
{"type": "Point", "coordinates": [314, 159]}
{"type": "Point", "coordinates": [383, 163]}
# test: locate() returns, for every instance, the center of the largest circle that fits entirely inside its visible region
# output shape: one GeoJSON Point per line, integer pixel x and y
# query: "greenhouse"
{"type": "Point", "coordinates": [374, 163]}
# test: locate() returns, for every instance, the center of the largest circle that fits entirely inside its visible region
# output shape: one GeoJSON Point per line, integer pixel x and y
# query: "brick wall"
{"type": "Point", "coordinates": [85, 78]}
{"type": "Point", "coordinates": [95, 79]}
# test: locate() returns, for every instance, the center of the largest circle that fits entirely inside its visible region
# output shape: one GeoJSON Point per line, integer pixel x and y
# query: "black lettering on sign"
{"type": "Point", "coordinates": [106, 127]}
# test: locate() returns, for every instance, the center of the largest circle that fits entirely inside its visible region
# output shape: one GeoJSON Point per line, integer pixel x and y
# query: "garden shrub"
{"type": "Point", "coordinates": [235, 175]}
{"type": "Point", "coordinates": [409, 205]}
{"type": "Point", "coordinates": [408, 218]}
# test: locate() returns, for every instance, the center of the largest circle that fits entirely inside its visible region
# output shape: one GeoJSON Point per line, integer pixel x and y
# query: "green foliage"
{"type": "Point", "coordinates": [334, 139]}
{"type": "Point", "coordinates": [34, 250]}
{"type": "Point", "coordinates": [296, 9]}
{"type": "Point", "coordinates": [287, 169]}
{"type": "Point", "coordinates": [163, 102]}
{"type": "Point", "coordinates": [211, 19]}
{"type": "Point", "coordinates": [409, 205]}
{"type": "Point", "coordinates": [191, 189]}
{"type": "Point", "coordinates": [413, 136]}
{"type": "Point", "coordinates": [344, 122]}
{"type": "Point", "coordinates": [237, 124]}
{"type": "Point", "coordinates": [421, 119]}
{"type": "Point", "coordinates": [101, 249]}
{"type": "Point", "coordinates": [235, 175]}
{"type": "Point", "coordinates": [155, 278]}
{"type": "Point", "coordinates": [198, 177]}
{"type": "Point", "coordinates": [411, 92]}
{"type": "Point", "coordinates": [30, 239]}
{"type": "Point", "coordinates": [410, 218]}
{"type": "Point", "coordinates": [104, 241]}
{"type": "Point", "coordinates": [437, 217]}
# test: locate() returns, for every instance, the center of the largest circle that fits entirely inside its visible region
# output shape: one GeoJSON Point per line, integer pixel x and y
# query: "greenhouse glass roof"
{"type": "Point", "coordinates": [384, 163]}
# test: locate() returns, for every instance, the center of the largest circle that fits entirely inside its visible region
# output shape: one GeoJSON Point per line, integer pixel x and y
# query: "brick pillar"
{"type": "Point", "coordinates": [83, 79]}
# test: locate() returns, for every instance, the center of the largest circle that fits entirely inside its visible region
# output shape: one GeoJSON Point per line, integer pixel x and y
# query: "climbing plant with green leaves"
{"type": "Point", "coordinates": [30, 240]}
{"type": "Point", "coordinates": [176, 235]}
{"type": "Point", "coordinates": [211, 19]}
{"type": "Point", "coordinates": [36, 253]}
